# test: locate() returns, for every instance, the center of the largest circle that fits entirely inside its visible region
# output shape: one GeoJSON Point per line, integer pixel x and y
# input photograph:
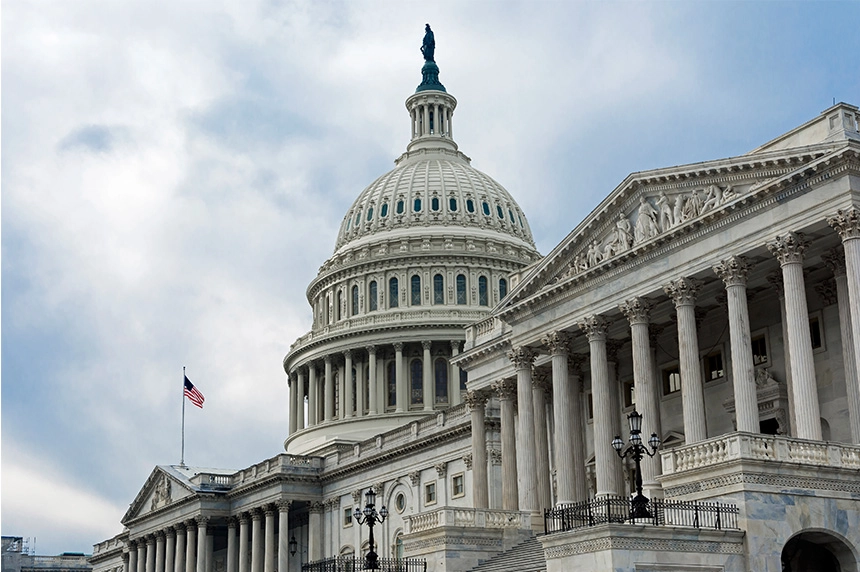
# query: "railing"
{"type": "Point", "coordinates": [713, 515]}
{"type": "Point", "coordinates": [353, 564]}
{"type": "Point", "coordinates": [468, 517]}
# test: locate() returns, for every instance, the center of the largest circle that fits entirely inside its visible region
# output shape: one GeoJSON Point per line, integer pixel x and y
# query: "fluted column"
{"type": "Point", "coordinates": [683, 292]}
{"type": "Point", "coordinates": [328, 395]}
{"type": "Point", "coordinates": [293, 383]}
{"type": "Point", "coordinates": [454, 395]}
{"type": "Point", "coordinates": [313, 394]}
{"type": "Point", "coordinates": [360, 391]}
{"type": "Point", "coordinates": [300, 400]}
{"type": "Point", "coordinates": [559, 348]}
{"type": "Point", "coordinates": [507, 392]}
{"type": "Point", "coordinates": [141, 554]}
{"type": "Point", "coordinates": [315, 537]}
{"type": "Point", "coordinates": [577, 425]}
{"type": "Point", "coordinates": [256, 541]}
{"type": "Point", "coordinates": [269, 555]}
{"type": "Point", "coordinates": [170, 550]}
{"type": "Point", "coordinates": [150, 553]}
{"type": "Point", "coordinates": [243, 543]}
{"type": "Point", "coordinates": [835, 260]}
{"type": "Point", "coordinates": [283, 536]}
{"type": "Point", "coordinates": [427, 374]}
{"type": "Point", "coordinates": [132, 556]}
{"type": "Point", "coordinates": [232, 560]}
{"type": "Point", "coordinates": [341, 392]}
{"type": "Point", "coordinates": [159, 551]}
{"type": "Point", "coordinates": [605, 459]}
{"type": "Point", "coordinates": [372, 381]}
{"type": "Point", "coordinates": [775, 280]}
{"type": "Point", "coordinates": [523, 358]}
{"type": "Point", "coordinates": [202, 521]}
{"type": "Point", "coordinates": [347, 383]}
{"type": "Point", "coordinates": [191, 546]}
{"type": "Point", "coordinates": [540, 385]}
{"type": "Point", "coordinates": [733, 272]}
{"type": "Point", "coordinates": [477, 402]}
{"type": "Point", "coordinates": [847, 224]}
{"type": "Point", "coordinates": [637, 311]}
{"type": "Point", "coordinates": [789, 249]}
{"type": "Point", "coordinates": [402, 404]}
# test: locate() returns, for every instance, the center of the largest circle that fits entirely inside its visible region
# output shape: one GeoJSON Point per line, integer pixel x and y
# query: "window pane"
{"type": "Point", "coordinates": [470, 205]}
{"type": "Point", "coordinates": [416, 290]}
{"type": "Point", "coordinates": [461, 288]}
{"type": "Point", "coordinates": [372, 300]}
{"type": "Point", "coordinates": [392, 384]}
{"type": "Point", "coordinates": [370, 213]}
{"type": "Point", "coordinates": [452, 205]}
{"type": "Point", "coordinates": [416, 205]}
{"type": "Point", "coordinates": [503, 288]}
{"type": "Point", "coordinates": [434, 204]}
{"type": "Point", "coordinates": [441, 375]}
{"type": "Point", "coordinates": [483, 298]}
{"type": "Point", "coordinates": [463, 378]}
{"type": "Point", "coordinates": [392, 293]}
{"type": "Point", "coordinates": [486, 208]}
{"type": "Point", "coordinates": [383, 212]}
{"type": "Point", "coordinates": [759, 350]}
{"type": "Point", "coordinates": [339, 305]}
{"type": "Point", "coordinates": [438, 289]}
{"type": "Point", "coordinates": [416, 375]}
{"type": "Point", "coordinates": [354, 300]}
{"type": "Point", "coordinates": [500, 213]}
{"type": "Point", "coordinates": [399, 207]}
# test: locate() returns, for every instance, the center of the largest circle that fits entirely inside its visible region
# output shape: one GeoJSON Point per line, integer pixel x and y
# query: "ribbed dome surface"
{"type": "Point", "coordinates": [434, 190]}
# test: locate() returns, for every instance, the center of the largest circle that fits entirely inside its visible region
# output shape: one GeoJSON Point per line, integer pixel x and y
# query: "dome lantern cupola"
{"type": "Point", "coordinates": [431, 108]}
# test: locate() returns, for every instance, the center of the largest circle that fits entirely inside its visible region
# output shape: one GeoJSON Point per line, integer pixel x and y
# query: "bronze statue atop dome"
{"type": "Point", "coordinates": [428, 48]}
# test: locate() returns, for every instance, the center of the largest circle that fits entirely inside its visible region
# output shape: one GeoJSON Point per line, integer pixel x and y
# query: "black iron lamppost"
{"type": "Point", "coordinates": [637, 450]}
{"type": "Point", "coordinates": [371, 517]}
{"type": "Point", "coordinates": [294, 544]}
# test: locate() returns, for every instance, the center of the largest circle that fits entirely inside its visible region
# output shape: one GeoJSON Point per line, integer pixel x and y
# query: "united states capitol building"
{"type": "Point", "coordinates": [476, 386]}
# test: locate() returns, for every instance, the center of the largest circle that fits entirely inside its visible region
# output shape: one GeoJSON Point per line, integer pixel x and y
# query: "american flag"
{"type": "Point", "coordinates": [193, 394]}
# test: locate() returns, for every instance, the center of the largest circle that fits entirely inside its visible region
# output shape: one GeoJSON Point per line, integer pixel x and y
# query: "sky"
{"type": "Point", "coordinates": [174, 174]}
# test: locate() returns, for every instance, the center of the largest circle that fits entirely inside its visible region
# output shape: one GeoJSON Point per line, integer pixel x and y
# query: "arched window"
{"type": "Point", "coordinates": [355, 300]}
{"type": "Point", "coordinates": [486, 208]}
{"type": "Point", "coordinates": [416, 205]}
{"type": "Point", "coordinates": [392, 293]}
{"type": "Point", "coordinates": [500, 213]}
{"type": "Point", "coordinates": [511, 215]}
{"type": "Point", "coordinates": [503, 288]}
{"type": "Point", "coordinates": [392, 384]}
{"type": "Point", "coordinates": [470, 205]}
{"type": "Point", "coordinates": [383, 210]}
{"type": "Point", "coordinates": [441, 377]}
{"type": "Point", "coordinates": [416, 382]}
{"type": "Point", "coordinates": [370, 213]}
{"type": "Point", "coordinates": [483, 298]}
{"type": "Point", "coordinates": [339, 311]}
{"type": "Point", "coordinates": [357, 219]}
{"type": "Point", "coordinates": [452, 205]}
{"type": "Point", "coordinates": [416, 290]}
{"type": "Point", "coordinates": [327, 309]}
{"type": "Point", "coordinates": [372, 296]}
{"type": "Point", "coordinates": [438, 289]}
{"type": "Point", "coordinates": [434, 203]}
{"type": "Point", "coordinates": [399, 207]}
{"type": "Point", "coordinates": [461, 288]}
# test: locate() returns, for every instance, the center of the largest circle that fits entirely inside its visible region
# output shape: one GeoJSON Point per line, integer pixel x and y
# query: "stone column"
{"type": "Point", "coordinates": [427, 374]}
{"type": "Point", "coordinates": [847, 224]}
{"type": "Point", "coordinates": [283, 536]}
{"type": "Point", "coordinates": [159, 551]}
{"type": "Point", "coordinates": [523, 358]}
{"type": "Point", "coordinates": [269, 555]}
{"type": "Point", "coordinates": [179, 564]}
{"type": "Point", "coordinates": [683, 292]}
{"type": "Point", "coordinates": [243, 542]}
{"type": "Point", "coordinates": [232, 561]}
{"type": "Point", "coordinates": [540, 385]}
{"type": "Point", "coordinates": [426, 110]}
{"type": "Point", "coordinates": [292, 383]}
{"type": "Point", "coordinates": [477, 402]}
{"type": "Point", "coordinates": [202, 521]}
{"type": "Point", "coordinates": [341, 392]}
{"type": "Point", "coordinates": [835, 260]}
{"type": "Point", "coordinates": [559, 348]}
{"type": "Point", "coordinates": [637, 311]}
{"type": "Point", "coordinates": [132, 556]}
{"type": "Point", "coordinates": [170, 550]}
{"type": "Point", "coordinates": [577, 425]}
{"type": "Point", "coordinates": [300, 400]}
{"type": "Point", "coordinates": [372, 381]}
{"type": "Point", "coordinates": [191, 546]}
{"type": "Point", "coordinates": [257, 539]}
{"type": "Point", "coordinates": [328, 394]}
{"type": "Point", "coordinates": [347, 383]}
{"type": "Point", "coordinates": [454, 395]}
{"type": "Point", "coordinates": [315, 537]}
{"type": "Point", "coordinates": [733, 271]}
{"type": "Point", "coordinates": [507, 392]}
{"type": "Point", "coordinates": [313, 394]}
{"type": "Point", "coordinates": [789, 249]}
{"type": "Point", "coordinates": [150, 553]}
{"type": "Point", "coordinates": [359, 389]}
{"type": "Point", "coordinates": [605, 459]}
{"type": "Point", "coordinates": [402, 404]}
{"type": "Point", "coordinates": [775, 280]}
{"type": "Point", "coordinates": [141, 554]}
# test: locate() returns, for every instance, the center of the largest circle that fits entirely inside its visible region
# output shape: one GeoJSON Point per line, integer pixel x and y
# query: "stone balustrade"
{"type": "Point", "coordinates": [757, 447]}
{"type": "Point", "coordinates": [485, 330]}
{"type": "Point", "coordinates": [469, 518]}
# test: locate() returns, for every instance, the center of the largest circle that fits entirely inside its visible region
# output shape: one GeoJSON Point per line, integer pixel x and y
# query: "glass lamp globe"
{"type": "Point", "coordinates": [617, 443]}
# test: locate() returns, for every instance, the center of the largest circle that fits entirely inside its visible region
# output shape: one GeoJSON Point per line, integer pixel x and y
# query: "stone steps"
{"type": "Point", "coordinates": [524, 557]}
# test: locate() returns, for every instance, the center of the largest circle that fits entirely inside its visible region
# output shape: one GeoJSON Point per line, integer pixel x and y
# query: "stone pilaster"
{"type": "Point", "coordinates": [427, 374]}
{"type": "Point", "coordinates": [402, 385]}
{"type": "Point", "coordinates": [789, 250]}
{"type": "Point", "coordinates": [605, 459]}
{"type": "Point", "coordinates": [523, 358]}
{"type": "Point", "coordinates": [506, 389]}
{"type": "Point", "coordinates": [477, 402]}
{"type": "Point", "coordinates": [373, 384]}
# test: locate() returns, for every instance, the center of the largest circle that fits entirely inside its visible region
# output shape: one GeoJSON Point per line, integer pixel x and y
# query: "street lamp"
{"type": "Point", "coordinates": [294, 544]}
{"type": "Point", "coordinates": [637, 450]}
{"type": "Point", "coordinates": [371, 517]}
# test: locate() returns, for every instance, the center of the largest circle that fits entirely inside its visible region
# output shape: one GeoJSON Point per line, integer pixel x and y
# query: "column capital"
{"type": "Point", "coordinates": [426, 344]}
{"type": "Point", "coordinates": [595, 327]}
{"type": "Point", "coordinates": [232, 522]}
{"type": "Point", "coordinates": [557, 342]}
{"type": "Point", "coordinates": [378, 488]}
{"type": "Point", "coordinates": [775, 281]}
{"type": "Point", "coordinates": [170, 532]}
{"type": "Point", "coordinates": [441, 469]}
{"type": "Point", "coordinates": [637, 310]}
{"type": "Point", "coordinates": [150, 539]}
{"type": "Point", "coordinates": [256, 514]}
{"type": "Point", "coordinates": [356, 496]}
{"type": "Point", "coordinates": [475, 399]}
{"type": "Point", "coordinates": [846, 223]}
{"type": "Point", "coordinates": [506, 389]}
{"type": "Point", "coordinates": [347, 354]}
{"type": "Point", "coordinates": [316, 508]}
{"type": "Point", "coordinates": [327, 359]}
{"type": "Point", "coordinates": [159, 535]}
{"type": "Point", "coordinates": [398, 346]}
{"type": "Point", "coordinates": [654, 331]}
{"type": "Point", "coordinates": [243, 518]}
{"type": "Point", "coordinates": [284, 505]}
{"type": "Point", "coordinates": [612, 347]}
{"type": "Point", "coordinates": [683, 291]}
{"type": "Point", "coordinates": [575, 362]}
{"type": "Point", "coordinates": [202, 520]}
{"type": "Point", "coordinates": [190, 525]}
{"type": "Point", "coordinates": [455, 345]}
{"type": "Point", "coordinates": [834, 259]}
{"type": "Point", "coordinates": [522, 357]}
{"type": "Point", "coordinates": [789, 248]}
{"type": "Point", "coordinates": [542, 380]}
{"type": "Point", "coordinates": [415, 478]}
{"type": "Point", "coordinates": [269, 510]}
{"type": "Point", "coordinates": [827, 291]}
{"type": "Point", "coordinates": [467, 460]}
{"type": "Point", "coordinates": [371, 350]}
{"type": "Point", "coordinates": [734, 270]}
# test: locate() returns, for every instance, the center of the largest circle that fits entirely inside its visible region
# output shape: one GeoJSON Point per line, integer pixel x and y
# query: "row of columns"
{"type": "Point", "coordinates": [442, 124]}
{"type": "Point", "coordinates": [524, 453]}
{"type": "Point", "coordinates": [321, 391]}
{"type": "Point", "coordinates": [187, 546]}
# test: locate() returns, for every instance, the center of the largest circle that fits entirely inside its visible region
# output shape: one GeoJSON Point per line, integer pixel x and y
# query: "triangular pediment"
{"type": "Point", "coordinates": [160, 490]}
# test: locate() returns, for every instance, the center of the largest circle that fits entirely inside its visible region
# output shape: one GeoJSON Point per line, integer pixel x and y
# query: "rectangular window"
{"type": "Point", "coordinates": [458, 486]}
{"type": "Point", "coordinates": [671, 380]}
{"type": "Point", "coordinates": [430, 493]}
{"type": "Point", "coordinates": [714, 369]}
{"type": "Point", "coordinates": [759, 349]}
{"type": "Point", "coordinates": [347, 517]}
{"type": "Point", "coordinates": [589, 406]}
{"type": "Point", "coordinates": [815, 332]}
{"type": "Point", "coordinates": [629, 394]}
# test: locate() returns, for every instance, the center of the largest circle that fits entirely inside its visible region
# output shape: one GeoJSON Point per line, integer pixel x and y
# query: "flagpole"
{"type": "Point", "coordinates": [182, 459]}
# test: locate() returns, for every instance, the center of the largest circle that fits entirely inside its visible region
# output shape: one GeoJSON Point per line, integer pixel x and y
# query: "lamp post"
{"type": "Point", "coordinates": [370, 516]}
{"type": "Point", "coordinates": [637, 450]}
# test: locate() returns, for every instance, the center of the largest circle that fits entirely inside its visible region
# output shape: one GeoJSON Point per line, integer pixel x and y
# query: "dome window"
{"type": "Point", "coordinates": [470, 205]}
{"type": "Point", "coordinates": [416, 382]}
{"type": "Point", "coordinates": [383, 211]}
{"type": "Point", "coordinates": [511, 215]}
{"type": "Point", "coordinates": [416, 205]}
{"type": "Point", "coordinates": [483, 298]}
{"type": "Point", "coordinates": [355, 300]}
{"type": "Point", "coordinates": [392, 384]}
{"type": "Point", "coordinates": [339, 305]}
{"type": "Point", "coordinates": [399, 208]}
{"type": "Point", "coordinates": [438, 289]}
{"type": "Point", "coordinates": [372, 295]}
{"type": "Point", "coordinates": [486, 208]}
{"type": "Point", "coordinates": [503, 288]}
{"type": "Point", "coordinates": [348, 223]}
{"type": "Point", "coordinates": [461, 288]}
{"type": "Point", "coordinates": [521, 220]}
{"type": "Point", "coordinates": [416, 290]}
{"type": "Point", "coordinates": [452, 205]}
{"type": "Point", "coordinates": [392, 293]}
{"type": "Point", "coordinates": [434, 204]}
{"type": "Point", "coordinates": [369, 213]}
{"type": "Point", "coordinates": [500, 213]}
{"type": "Point", "coordinates": [440, 367]}
{"type": "Point", "coordinates": [357, 218]}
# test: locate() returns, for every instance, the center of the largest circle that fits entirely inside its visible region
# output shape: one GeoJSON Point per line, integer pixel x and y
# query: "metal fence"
{"type": "Point", "coordinates": [712, 515]}
{"type": "Point", "coordinates": [353, 564]}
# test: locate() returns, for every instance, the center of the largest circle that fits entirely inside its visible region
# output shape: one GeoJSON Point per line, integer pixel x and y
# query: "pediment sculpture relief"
{"type": "Point", "coordinates": [162, 493]}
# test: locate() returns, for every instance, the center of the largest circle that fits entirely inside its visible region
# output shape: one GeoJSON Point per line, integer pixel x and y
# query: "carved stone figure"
{"type": "Point", "coordinates": [713, 198]}
{"type": "Point", "coordinates": [692, 206]}
{"type": "Point", "coordinates": [666, 220]}
{"type": "Point", "coordinates": [646, 223]}
{"type": "Point", "coordinates": [161, 497]}
{"type": "Point", "coordinates": [678, 211]}
{"type": "Point", "coordinates": [428, 48]}
{"type": "Point", "coordinates": [623, 234]}
{"type": "Point", "coordinates": [594, 256]}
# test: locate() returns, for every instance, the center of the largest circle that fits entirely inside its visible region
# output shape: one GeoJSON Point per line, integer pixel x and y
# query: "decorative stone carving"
{"type": "Point", "coordinates": [834, 259]}
{"type": "Point", "coordinates": [595, 327]}
{"type": "Point", "coordinates": [161, 497]}
{"type": "Point", "coordinates": [667, 221]}
{"type": "Point", "coordinates": [775, 281]}
{"type": "Point", "coordinates": [475, 399]}
{"type": "Point", "coordinates": [733, 271]}
{"type": "Point", "coordinates": [506, 389]}
{"type": "Point", "coordinates": [637, 310]}
{"type": "Point", "coordinates": [827, 291]}
{"type": "Point", "coordinates": [557, 342]}
{"type": "Point", "coordinates": [415, 478]}
{"type": "Point", "coordinates": [522, 357]}
{"type": "Point", "coordinates": [441, 469]}
{"type": "Point", "coordinates": [317, 507]}
{"type": "Point", "coordinates": [612, 347]}
{"type": "Point", "coordinates": [542, 380]}
{"type": "Point", "coordinates": [377, 488]}
{"type": "Point", "coordinates": [495, 456]}
{"type": "Point", "coordinates": [646, 222]}
{"type": "Point", "coordinates": [789, 248]}
{"type": "Point", "coordinates": [683, 291]}
{"type": "Point", "coordinates": [846, 223]}
{"type": "Point", "coordinates": [467, 459]}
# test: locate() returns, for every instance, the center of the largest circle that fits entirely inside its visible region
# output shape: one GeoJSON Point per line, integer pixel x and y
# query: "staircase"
{"type": "Point", "coordinates": [524, 557]}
